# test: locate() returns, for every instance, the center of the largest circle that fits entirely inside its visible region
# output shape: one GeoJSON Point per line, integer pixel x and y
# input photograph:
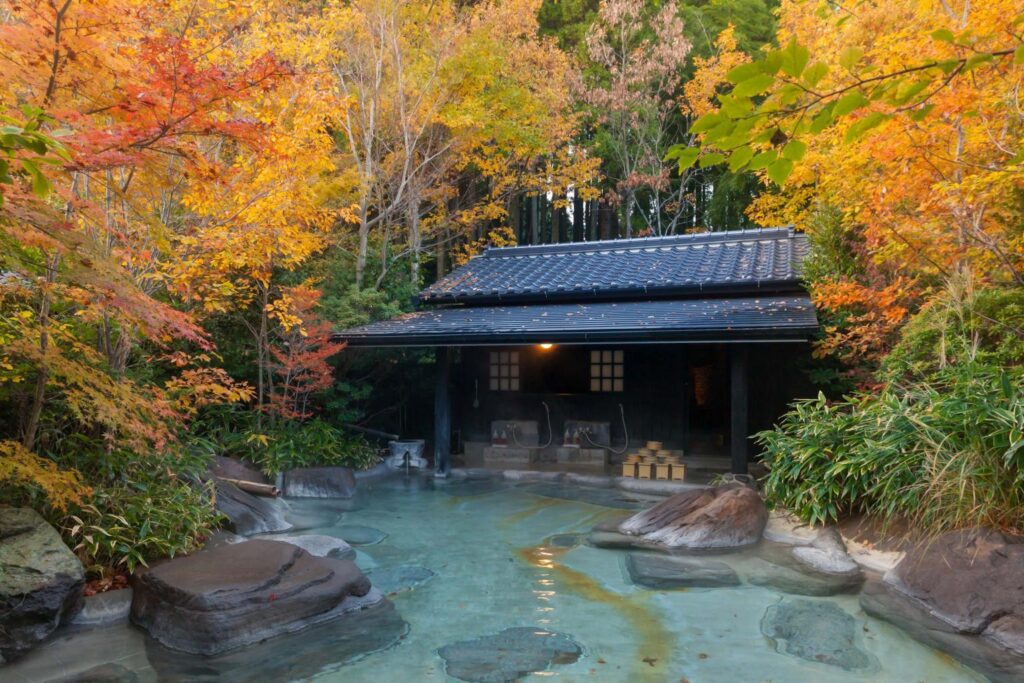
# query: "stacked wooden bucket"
{"type": "Point", "coordinates": [654, 462]}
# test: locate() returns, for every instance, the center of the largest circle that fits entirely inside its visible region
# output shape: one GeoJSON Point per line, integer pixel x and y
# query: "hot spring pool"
{"type": "Point", "coordinates": [465, 561]}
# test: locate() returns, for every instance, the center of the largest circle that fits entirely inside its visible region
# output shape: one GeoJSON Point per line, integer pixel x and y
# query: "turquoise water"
{"type": "Point", "coordinates": [497, 566]}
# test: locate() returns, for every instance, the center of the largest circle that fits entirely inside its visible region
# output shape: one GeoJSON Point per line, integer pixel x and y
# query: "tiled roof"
{"type": "Point", "coordinates": [749, 260]}
{"type": "Point", "coordinates": [768, 317]}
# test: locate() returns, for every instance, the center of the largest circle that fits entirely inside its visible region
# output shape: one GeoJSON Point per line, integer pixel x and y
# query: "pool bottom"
{"type": "Point", "coordinates": [490, 559]}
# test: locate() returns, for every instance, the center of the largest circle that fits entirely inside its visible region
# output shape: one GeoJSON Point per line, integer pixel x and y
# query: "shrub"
{"type": "Point", "coordinates": [307, 444]}
{"type": "Point", "coordinates": [135, 522]}
{"type": "Point", "coordinates": [946, 452]}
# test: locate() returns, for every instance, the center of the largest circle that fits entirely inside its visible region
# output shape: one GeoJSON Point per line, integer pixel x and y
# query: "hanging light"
{"type": "Point", "coordinates": [546, 346]}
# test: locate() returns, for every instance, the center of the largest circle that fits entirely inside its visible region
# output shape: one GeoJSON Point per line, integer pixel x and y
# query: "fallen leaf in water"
{"type": "Point", "coordinates": [649, 660]}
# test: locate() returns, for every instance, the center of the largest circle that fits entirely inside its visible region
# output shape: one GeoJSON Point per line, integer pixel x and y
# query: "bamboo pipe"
{"type": "Point", "coordinates": [254, 487]}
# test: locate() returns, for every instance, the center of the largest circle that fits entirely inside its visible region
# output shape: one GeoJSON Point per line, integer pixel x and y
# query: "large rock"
{"type": "Point", "coordinates": [962, 592]}
{"type": "Point", "coordinates": [230, 596]}
{"type": "Point", "coordinates": [778, 568]}
{"type": "Point", "coordinates": [104, 609]}
{"type": "Point", "coordinates": [320, 482]}
{"type": "Point", "coordinates": [310, 653]}
{"type": "Point", "coordinates": [818, 632]}
{"type": "Point", "coordinates": [40, 581]}
{"type": "Point", "coordinates": [248, 514]}
{"type": "Point", "coordinates": [720, 517]}
{"type": "Point", "coordinates": [666, 572]}
{"type": "Point", "coordinates": [233, 468]}
{"type": "Point", "coordinates": [317, 545]}
{"type": "Point", "coordinates": [509, 655]}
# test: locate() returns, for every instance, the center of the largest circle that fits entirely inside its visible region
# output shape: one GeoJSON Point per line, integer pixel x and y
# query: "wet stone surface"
{"type": "Point", "coordinates": [611, 498]}
{"type": "Point", "coordinates": [662, 572]}
{"type": "Point", "coordinates": [295, 656]}
{"type": "Point", "coordinates": [564, 540]}
{"type": "Point", "coordinates": [357, 534]}
{"type": "Point", "coordinates": [508, 655]}
{"type": "Point", "coordinates": [307, 517]}
{"type": "Point", "coordinates": [818, 632]}
{"type": "Point", "coordinates": [104, 673]}
{"type": "Point", "coordinates": [779, 570]}
{"type": "Point", "coordinates": [391, 580]}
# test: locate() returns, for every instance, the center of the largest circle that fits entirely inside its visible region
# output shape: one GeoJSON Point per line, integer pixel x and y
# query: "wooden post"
{"type": "Point", "coordinates": [739, 431]}
{"type": "Point", "coordinates": [442, 413]}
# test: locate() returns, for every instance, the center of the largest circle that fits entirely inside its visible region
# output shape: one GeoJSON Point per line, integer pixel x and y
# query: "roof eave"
{"type": "Point", "coordinates": [645, 292]}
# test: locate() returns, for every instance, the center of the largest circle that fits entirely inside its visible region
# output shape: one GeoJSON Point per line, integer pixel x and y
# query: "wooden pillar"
{"type": "Point", "coordinates": [687, 390]}
{"type": "Point", "coordinates": [442, 413]}
{"type": "Point", "coordinates": [579, 220]}
{"type": "Point", "coordinates": [739, 430]}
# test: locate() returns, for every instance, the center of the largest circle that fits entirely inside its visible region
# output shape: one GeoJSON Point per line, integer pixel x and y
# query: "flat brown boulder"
{"type": "Point", "coordinates": [229, 596]}
{"type": "Point", "coordinates": [728, 516]}
{"type": "Point", "coordinates": [964, 592]}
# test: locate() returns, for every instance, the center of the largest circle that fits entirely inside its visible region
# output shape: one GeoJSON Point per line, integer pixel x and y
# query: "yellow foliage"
{"type": "Point", "coordinates": [22, 469]}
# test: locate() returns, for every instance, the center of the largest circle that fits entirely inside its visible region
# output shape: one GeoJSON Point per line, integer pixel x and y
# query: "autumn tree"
{"type": "Point", "coordinates": [640, 56]}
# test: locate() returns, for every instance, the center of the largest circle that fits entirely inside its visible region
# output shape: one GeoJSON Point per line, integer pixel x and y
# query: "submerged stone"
{"type": "Point", "coordinates": [391, 580]}
{"type": "Point", "coordinates": [357, 534]}
{"type": "Point", "coordinates": [818, 632]}
{"type": "Point", "coordinates": [309, 515]}
{"type": "Point", "coordinates": [316, 650]}
{"type": "Point", "coordinates": [103, 673]}
{"type": "Point", "coordinates": [666, 572]}
{"type": "Point", "coordinates": [40, 581]}
{"type": "Point", "coordinates": [508, 655]}
{"type": "Point", "coordinates": [780, 569]}
{"type": "Point", "coordinates": [564, 540]}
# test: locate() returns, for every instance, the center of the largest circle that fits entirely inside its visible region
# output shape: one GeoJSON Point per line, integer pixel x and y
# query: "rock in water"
{"type": "Point", "coordinates": [248, 514]}
{"type": "Point", "coordinates": [103, 673]}
{"type": "Point", "coordinates": [666, 572]}
{"type": "Point", "coordinates": [299, 656]}
{"type": "Point", "coordinates": [721, 517]}
{"type": "Point", "coordinates": [320, 482]}
{"type": "Point", "coordinates": [40, 581]}
{"type": "Point", "coordinates": [509, 655]}
{"type": "Point", "coordinates": [317, 545]}
{"type": "Point", "coordinates": [357, 534]}
{"type": "Point", "coordinates": [818, 632]}
{"type": "Point", "coordinates": [962, 592]}
{"type": "Point", "coordinates": [390, 580]}
{"type": "Point", "coordinates": [230, 596]}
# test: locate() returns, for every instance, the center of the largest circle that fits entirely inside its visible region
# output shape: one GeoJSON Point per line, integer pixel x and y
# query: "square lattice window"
{"type": "Point", "coordinates": [607, 370]}
{"type": "Point", "coordinates": [504, 371]}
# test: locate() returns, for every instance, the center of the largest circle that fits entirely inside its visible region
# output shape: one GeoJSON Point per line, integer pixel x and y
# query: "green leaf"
{"type": "Point", "coordinates": [739, 157]}
{"type": "Point", "coordinates": [976, 61]}
{"type": "Point", "coordinates": [720, 131]}
{"type": "Point", "coordinates": [736, 107]}
{"type": "Point", "coordinates": [815, 73]}
{"type": "Point", "coordinates": [779, 170]}
{"type": "Point", "coordinates": [850, 56]}
{"type": "Point", "coordinates": [824, 119]}
{"type": "Point", "coordinates": [870, 121]}
{"type": "Point", "coordinates": [687, 157]}
{"type": "Point", "coordinates": [794, 150]}
{"type": "Point", "coordinates": [763, 159]}
{"type": "Point", "coordinates": [794, 59]}
{"type": "Point", "coordinates": [920, 114]}
{"type": "Point", "coordinates": [744, 71]}
{"type": "Point", "coordinates": [753, 86]}
{"type": "Point", "coordinates": [711, 159]}
{"type": "Point", "coordinates": [706, 123]}
{"type": "Point", "coordinates": [848, 103]}
{"type": "Point", "coordinates": [1018, 54]}
{"type": "Point", "coordinates": [944, 35]}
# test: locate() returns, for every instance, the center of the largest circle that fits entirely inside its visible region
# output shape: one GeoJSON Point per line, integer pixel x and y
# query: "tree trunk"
{"type": "Point", "coordinates": [28, 438]}
{"type": "Point", "coordinates": [364, 247]}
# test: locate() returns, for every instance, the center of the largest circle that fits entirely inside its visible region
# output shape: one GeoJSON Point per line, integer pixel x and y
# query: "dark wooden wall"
{"type": "Point", "coordinates": [658, 397]}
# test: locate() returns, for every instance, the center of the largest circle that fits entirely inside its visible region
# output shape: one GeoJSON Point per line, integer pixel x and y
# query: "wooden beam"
{"type": "Point", "coordinates": [739, 431]}
{"type": "Point", "coordinates": [442, 413]}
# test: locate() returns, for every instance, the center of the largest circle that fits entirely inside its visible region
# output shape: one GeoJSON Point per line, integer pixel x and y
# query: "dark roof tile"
{"type": "Point", "coordinates": [767, 259]}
